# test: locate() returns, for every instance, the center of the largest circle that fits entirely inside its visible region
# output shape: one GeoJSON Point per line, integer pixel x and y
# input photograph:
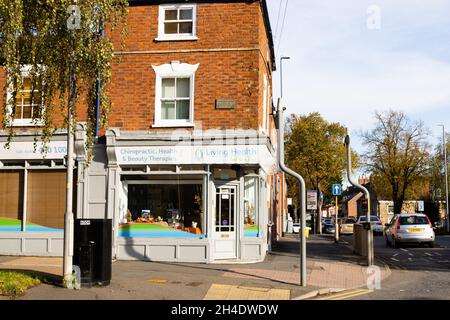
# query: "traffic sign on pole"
{"type": "Point", "coordinates": [337, 189]}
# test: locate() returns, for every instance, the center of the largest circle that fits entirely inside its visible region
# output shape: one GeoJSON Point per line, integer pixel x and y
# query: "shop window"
{"type": "Point", "coordinates": [251, 206]}
{"type": "Point", "coordinates": [11, 201]}
{"type": "Point", "coordinates": [46, 200]}
{"type": "Point", "coordinates": [164, 211]}
{"type": "Point", "coordinates": [177, 22]}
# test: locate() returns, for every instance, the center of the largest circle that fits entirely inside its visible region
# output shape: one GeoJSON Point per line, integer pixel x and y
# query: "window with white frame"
{"type": "Point", "coordinates": [28, 101]}
{"type": "Point", "coordinates": [177, 22]}
{"type": "Point", "coordinates": [174, 96]}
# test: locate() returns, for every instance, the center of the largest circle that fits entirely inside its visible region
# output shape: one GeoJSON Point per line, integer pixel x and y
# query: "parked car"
{"type": "Point", "coordinates": [375, 222]}
{"type": "Point", "coordinates": [409, 228]}
{"type": "Point", "coordinates": [346, 225]}
{"type": "Point", "coordinates": [328, 227]}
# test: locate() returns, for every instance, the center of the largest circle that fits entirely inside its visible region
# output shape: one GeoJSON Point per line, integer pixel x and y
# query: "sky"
{"type": "Point", "coordinates": [350, 58]}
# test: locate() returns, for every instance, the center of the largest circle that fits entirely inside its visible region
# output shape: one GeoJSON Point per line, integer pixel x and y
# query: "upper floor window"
{"type": "Point", "coordinates": [177, 22]}
{"type": "Point", "coordinates": [28, 102]}
{"type": "Point", "coordinates": [174, 96]}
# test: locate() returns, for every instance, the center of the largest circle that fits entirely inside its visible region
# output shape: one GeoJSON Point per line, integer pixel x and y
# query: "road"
{"type": "Point", "coordinates": [418, 273]}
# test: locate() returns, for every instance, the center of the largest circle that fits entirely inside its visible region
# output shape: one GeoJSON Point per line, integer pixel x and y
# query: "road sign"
{"type": "Point", "coordinates": [337, 189]}
{"type": "Point", "coordinates": [311, 201]}
{"type": "Point", "coordinates": [421, 206]}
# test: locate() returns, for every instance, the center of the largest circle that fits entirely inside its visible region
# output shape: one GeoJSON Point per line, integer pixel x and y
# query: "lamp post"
{"type": "Point", "coordinates": [444, 150]}
{"type": "Point", "coordinates": [282, 172]}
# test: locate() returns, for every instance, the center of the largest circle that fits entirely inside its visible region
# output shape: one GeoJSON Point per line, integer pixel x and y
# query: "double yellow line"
{"type": "Point", "coordinates": [347, 295]}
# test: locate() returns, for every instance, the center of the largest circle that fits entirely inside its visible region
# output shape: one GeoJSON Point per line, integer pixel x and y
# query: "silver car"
{"type": "Point", "coordinates": [375, 223]}
{"type": "Point", "coordinates": [409, 228]}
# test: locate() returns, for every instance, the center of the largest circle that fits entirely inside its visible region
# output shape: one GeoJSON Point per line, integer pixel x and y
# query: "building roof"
{"type": "Point", "coordinates": [263, 4]}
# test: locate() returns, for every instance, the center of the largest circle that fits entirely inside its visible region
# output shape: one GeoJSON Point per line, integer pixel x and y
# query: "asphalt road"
{"type": "Point", "coordinates": [418, 273]}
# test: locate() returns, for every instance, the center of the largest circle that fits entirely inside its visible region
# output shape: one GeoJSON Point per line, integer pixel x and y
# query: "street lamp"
{"type": "Point", "coordinates": [444, 150]}
{"type": "Point", "coordinates": [282, 172]}
{"type": "Point", "coordinates": [281, 73]}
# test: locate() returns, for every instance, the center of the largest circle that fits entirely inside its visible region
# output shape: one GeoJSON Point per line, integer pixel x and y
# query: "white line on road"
{"type": "Point", "coordinates": [411, 254]}
{"type": "Point", "coordinates": [410, 259]}
{"type": "Point", "coordinates": [438, 254]}
{"type": "Point", "coordinates": [395, 259]}
{"type": "Point", "coordinates": [395, 255]}
{"type": "Point", "coordinates": [403, 249]}
{"type": "Point", "coordinates": [428, 254]}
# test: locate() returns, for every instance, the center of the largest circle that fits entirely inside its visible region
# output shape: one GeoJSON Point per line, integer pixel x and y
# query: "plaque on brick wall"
{"type": "Point", "coordinates": [225, 104]}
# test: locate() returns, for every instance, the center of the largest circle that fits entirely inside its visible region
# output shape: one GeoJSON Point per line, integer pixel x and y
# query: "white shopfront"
{"type": "Point", "coordinates": [187, 200]}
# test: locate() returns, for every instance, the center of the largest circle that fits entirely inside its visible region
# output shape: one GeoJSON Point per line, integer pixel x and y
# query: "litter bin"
{"type": "Point", "coordinates": [86, 263]}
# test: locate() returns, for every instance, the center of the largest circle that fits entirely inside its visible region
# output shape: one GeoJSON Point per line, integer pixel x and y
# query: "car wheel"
{"type": "Point", "coordinates": [431, 244]}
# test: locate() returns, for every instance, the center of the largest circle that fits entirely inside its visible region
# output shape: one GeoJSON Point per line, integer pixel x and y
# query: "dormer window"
{"type": "Point", "coordinates": [177, 22]}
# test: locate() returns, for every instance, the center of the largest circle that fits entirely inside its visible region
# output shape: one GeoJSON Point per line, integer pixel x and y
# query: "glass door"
{"type": "Point", "coordinates": [225, 226]}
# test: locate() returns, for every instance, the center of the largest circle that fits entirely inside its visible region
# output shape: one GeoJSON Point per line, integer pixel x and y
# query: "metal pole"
{"type": "Point", "coordinates": [336, 224]}
{"type": "Point", "coordinates": [444, 150]}
{"type": "Point", "coordinates": [283, 193]}
{"type": "Point", "coordinates": [370, 254]}
{"type": "Point", "coordinates": [68, 217]}
{"type": "Point", "coordinates": [302, 192]}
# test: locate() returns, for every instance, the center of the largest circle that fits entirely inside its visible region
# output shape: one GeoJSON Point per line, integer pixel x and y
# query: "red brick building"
{"type": "Point", "coordinates": [186, 168]}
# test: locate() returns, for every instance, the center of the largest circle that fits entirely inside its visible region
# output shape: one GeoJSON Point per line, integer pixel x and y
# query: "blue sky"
{"type": "Point", "coordinates": [346, 63]}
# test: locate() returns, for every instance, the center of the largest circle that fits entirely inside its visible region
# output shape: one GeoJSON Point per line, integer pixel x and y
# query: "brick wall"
{"type": "Point", "coordinates": [232, 50]}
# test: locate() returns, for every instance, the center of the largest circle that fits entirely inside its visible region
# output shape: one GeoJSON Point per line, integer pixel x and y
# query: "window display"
{"type": "Point", "coordinates": [164, 210]}
{"type": "Point", "coordinates": [45, 201]}
{"type": "Point", "coordinates": [11, 201]}
{"type": "Point", "coordinates": [250, 206]}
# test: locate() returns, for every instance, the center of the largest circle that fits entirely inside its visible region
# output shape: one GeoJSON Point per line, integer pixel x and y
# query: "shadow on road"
{"type": "Point", "coordinates": [320, 247]}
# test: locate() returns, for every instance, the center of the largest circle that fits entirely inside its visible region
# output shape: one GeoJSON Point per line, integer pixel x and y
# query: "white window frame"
{"type": "Point", "coordinates": [174, 69]}
{"type": "Point", "coordinates": [176, 37]}
{"type": "Point", "coordinates": [27, 122]}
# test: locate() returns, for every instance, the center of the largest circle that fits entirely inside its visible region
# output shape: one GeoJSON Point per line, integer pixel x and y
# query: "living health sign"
{"type": "Point", "coordinates": [212, 154]}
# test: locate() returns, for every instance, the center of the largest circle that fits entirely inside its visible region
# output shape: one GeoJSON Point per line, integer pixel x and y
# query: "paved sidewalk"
{"type": "Point", "coordinates": [329, 265]}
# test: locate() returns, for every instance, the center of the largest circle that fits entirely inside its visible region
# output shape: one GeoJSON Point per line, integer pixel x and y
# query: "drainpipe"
{"type": "Point", "coordinates": [97, 100]}
{"type": "Point", "coordinates": [370, 255]}
{"type": "Point", "coordinates": [301, 194]}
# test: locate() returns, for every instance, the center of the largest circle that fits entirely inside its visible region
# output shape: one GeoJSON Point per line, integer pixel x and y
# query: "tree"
{"type": "Point", "coordinates": [315, 149]}
{"type": "Point", "coordinates": [36, 34]}
{"type": "Point", "coordinates": [398, 154]}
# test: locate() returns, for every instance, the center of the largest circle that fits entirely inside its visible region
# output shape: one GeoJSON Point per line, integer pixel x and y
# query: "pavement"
{"type": "Point", "coordinates": [331, 268]}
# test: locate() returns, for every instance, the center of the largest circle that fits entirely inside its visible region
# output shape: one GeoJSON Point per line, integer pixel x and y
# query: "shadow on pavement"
{"type": "Point", "coordinates": [319, 247]}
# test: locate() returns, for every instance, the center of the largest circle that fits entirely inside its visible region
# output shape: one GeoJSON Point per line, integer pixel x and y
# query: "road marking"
{"type": "Point", "coordinates": [403, 249]}
{"type": "Point", "coordinates": [428, 254]}
{"type": "Point", "coordinates": [395, 259]}
{"type": "Point", "coordinates": [395, 255]}
{"type": "Point", "coordinates": [411, 254]}
{"type": "Point", "coordinates": [410, 259]}
{"type": "Point", "coordinates": [156, 281]}
{"type": "Point", "coordinates": [437, 254]}
{"type": "Point", "coordinates": [347, 295]}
